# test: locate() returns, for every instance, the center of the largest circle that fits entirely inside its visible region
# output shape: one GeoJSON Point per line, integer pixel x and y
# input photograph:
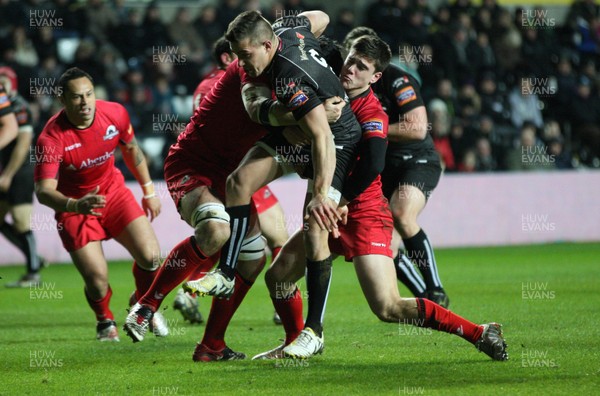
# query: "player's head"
{"type": "Point", "coordinates": [356, 33]}
{"type": "Point", "coordinates": [8, 80]}
{"type": "Point", "coordinates": [368, 58]}
{"type": "Point", "coordinates": [222, 53]}
{"type": "Point", "coordinates": [333, 53]}
{"type": "Point", "coordinates": [78, 97]}
{"type": "Point", "coordinates": [253, 41]}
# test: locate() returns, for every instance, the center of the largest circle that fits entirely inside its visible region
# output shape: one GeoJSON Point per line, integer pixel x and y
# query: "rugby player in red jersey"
{"type": "Point", "coordinates": [365, 238]}
{"type": "Point", "coordinates": [269, 210]}
{"type": "Point", "coordinates": [196, 170]}
{"type": "Point", "coordinates": [75, 175]}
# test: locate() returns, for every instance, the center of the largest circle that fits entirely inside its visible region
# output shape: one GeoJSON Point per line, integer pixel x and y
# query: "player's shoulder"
{"type": "Point", "coordinates": [109, 107]}
{"type": "Point", "coordinates": [395, 78]}
{"type": "Point", "coordinates": [53, 128]}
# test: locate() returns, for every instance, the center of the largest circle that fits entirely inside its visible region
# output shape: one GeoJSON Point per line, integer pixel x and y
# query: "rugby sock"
{"type": "Point", "coordinates": [419, 250]}
{"type": "Point", "coordinates": [100, 307]}
{"type": "Point", "coordinates": [289, 309]}
{"type": "Point", "coordinates": [25, 242]}
{"type": "Point", "coordinates": [143, 279]}
{"type": "Point", "coordinates": [318, 280]}
{"type": "Point", "coordinates": [33, 260]}
{"type": "Point", "coordinates": [221, 312]}
{"type": "Point", "coordinates": [170, 276]}
{"type": "Point", "coordinates": [275, 253]}
{"type": "Point", "coordinates": [239, 217]}
{"type": "Point", "coordinates": [436, 317]}
{"type": "Point", "coordinates": [406, 273]}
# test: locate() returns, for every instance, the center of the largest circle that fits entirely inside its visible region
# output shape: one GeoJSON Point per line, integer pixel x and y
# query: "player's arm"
{"type": "Point", "coordinates": [314, 124]}
{"type": "Point", "coordinates": [16, 160]}
{"type": "Point", "coordinates": [47, 194]}
{"type": "Point", "coordinates": [136, 163]}
{"type": "Point", "coordinates": [412, 126]}
{"type": "Point", "coordinates": [369, 165]}
{"type": "Point", "coordinates": [8, 129]}
{"type": "Point", "coordinates": [266, 111]}
{"type": "Point", "coordinates": [318, 21]}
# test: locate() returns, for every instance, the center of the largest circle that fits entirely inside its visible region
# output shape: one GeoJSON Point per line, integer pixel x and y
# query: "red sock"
{"type": "Point", "coordinates": [181, 261]}
{"type": "Point", "coordinates": [100, 307]}
{"type": "Point", "coordinates": [439, 318]}
{"type": "Point", "coordinates": [201, 270]}
{"type": "Point", "coordinates": [221, 313]}
{"type": "Point", "coordinates": [275, 253]}
{"type": "Point", "coordinates": [290, 311]}
{"type": "Point", "coordinates": [143, 279]}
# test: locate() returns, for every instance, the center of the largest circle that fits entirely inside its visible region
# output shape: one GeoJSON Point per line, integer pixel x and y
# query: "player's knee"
{"type": "Point", "coordinates": [21, 225]}
{"type": "Point", "coordinates": [211, 225]}
{"type": "Point", "coordinates": [211, 236]}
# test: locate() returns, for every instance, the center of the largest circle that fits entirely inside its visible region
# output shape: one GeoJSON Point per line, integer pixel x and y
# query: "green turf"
{"type": "Point", "coordinates": [47, 341]}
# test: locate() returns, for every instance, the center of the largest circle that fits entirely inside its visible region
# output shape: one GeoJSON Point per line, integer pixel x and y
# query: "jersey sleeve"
{"type": "Point", "coordinates": [406, 93]}
{"type": "Point", "coordinates": [48, 157]}
{"type": "Point", "coordinates": [125, 128]}
{"type": "Point", "coordinates": [5, 104]}
{"type": "Point", "coordinates": [294, 89]}
{"type": "Point", "coordinates": [374, 125]}
{"type": "Point", "coordinates": [24, 119]}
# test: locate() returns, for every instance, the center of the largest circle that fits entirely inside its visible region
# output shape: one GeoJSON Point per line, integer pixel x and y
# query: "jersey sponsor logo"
{"type": "Point", "coordinates": [266, 194]}
{"type": "Point", "coordinates": [301, 47]}
{"type": "Point", "coordinates": [373, 126]}
{"type": "Point", "coordinates": [22, 117]}
{"type": "Point", "coordinates": [399, 82]}
{"type": "Point", "coordinates": [96, 161]}
{"type": "Point", "coordinates": [378, 244]}
{"type": "Point", "coordinates": [184, 180]}
{"type": "Point", "coordinates": [4, 102]}
{"type": "Point", "coordinates": [406, 95]}
{"type": "Point", "coordinates": [111, 132]}
{"type": "Point", "coordinates": [73, 146]}
{"type": "Point", "coordinates": [299, 99]}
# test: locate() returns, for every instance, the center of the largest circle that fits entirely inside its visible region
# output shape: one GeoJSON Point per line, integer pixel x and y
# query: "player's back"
{"type": "Point", "coordinates": [220, 129]}
{"type": "Point", "coordinates": [209, 81]}
{"type": "Point", "coordinates": [399, 93]}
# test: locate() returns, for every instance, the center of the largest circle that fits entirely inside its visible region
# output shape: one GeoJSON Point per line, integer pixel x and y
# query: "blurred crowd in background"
{"type": "Point", "coordinates": [505, 88]}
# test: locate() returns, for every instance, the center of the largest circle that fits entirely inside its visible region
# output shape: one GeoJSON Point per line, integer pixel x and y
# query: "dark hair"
{"type": "Point", "coordinates": [356, 33]}
{"type": "Point", "coordinates": [220, 47]}
{"type": "Point", "coordinates": [374, 49]}
{"type": "Point", "coordinates": [249, 24]}
{"type": "Point", "coordinates": [72, 74]}
{"type": "Point", "coordinates": [333, 53]}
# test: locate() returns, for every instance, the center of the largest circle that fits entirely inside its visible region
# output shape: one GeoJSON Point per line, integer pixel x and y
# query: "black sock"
{"type": "Point", "coordinates": [419, 251]}
{"type": "Point", "coordinates": [8, 230]}
{"type": "Point", "coordinates": [238, 223]}
{"type": "Point", "coordinates": [406, 273]}
{"type": "Point", "coordinates": [318, 279]}
{"type": "Point", "coordinates": [25, 242]}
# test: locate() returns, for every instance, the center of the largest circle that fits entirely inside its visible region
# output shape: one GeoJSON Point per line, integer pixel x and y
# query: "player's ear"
{"type": "Point", "coordinates": [375, 77]}
{"type": "Point", "coordinates": [268, 45]}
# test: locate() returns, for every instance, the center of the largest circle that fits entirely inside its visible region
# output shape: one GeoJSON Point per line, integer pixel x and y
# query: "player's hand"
{"type": "Point", "coordinates": [333, 108]}
{"type": "Point", "coordinates": [325, 213]}
{"type": "Point", "coordinates": [88, 204]}
{"type": "Point", "coordinates": [5, 182]}
{"type": "Point", "coordinates": [151, 207]}
{"type": "Point", "coordinates": [343, 212]}
{"type": "Point", "coordinates": [296, 136]}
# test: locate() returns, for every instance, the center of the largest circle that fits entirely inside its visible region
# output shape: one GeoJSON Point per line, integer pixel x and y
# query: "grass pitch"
{"type": "Point", "coordinates": [546, 297]}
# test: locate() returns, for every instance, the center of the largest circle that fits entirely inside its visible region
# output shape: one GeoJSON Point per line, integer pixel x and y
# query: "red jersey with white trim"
{"type": "Point", "coordinates": [82, 159]}
{"type": "Point", "coordinates": [220, 131]}
{"type": "Point", "coordinates": [205, 86]}
{"type": "Point", "coordinates": [374, 125]}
